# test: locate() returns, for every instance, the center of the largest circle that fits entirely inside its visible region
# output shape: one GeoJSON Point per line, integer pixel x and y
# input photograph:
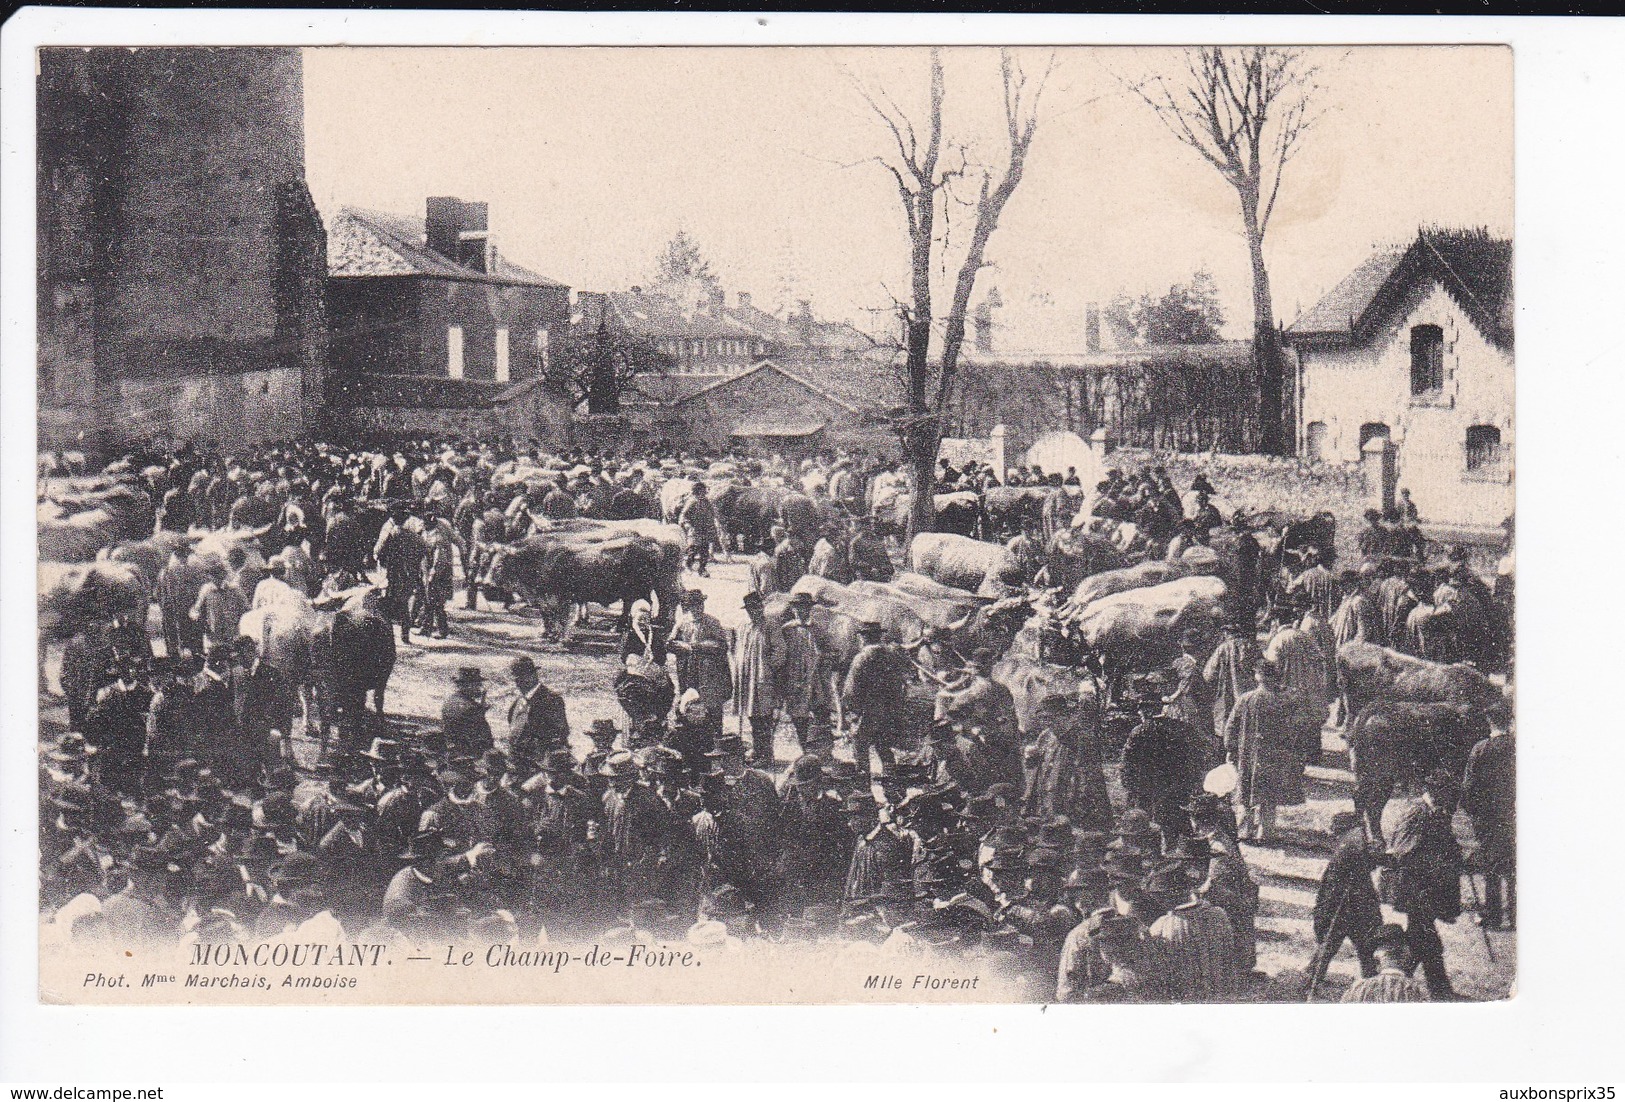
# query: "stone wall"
{"type": "Point", "coordinates": [177, 237]}
{"type": "Point", "coordinates": [1255, 482]}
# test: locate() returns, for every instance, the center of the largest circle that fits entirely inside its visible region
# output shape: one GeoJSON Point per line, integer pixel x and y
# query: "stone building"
{"type": "Point", "coordinates": [794, 408]}
{"type": "Point", "coordinates": [1415, 347]}
{"type": "Point", "coordinates": [436, 332]}
{"type": "Point", "coordinates": [180, 259]}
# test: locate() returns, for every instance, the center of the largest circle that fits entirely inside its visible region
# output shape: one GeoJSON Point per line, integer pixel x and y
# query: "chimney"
{"type": "Point", "coordinates": [802, 322]}
{"type": "Point", "coordinates": [719, 300]}
{"type": "Point", "coordinates": [983, 321]}
{"type": "Point", "coordinates": [744, 300]}
{"type": "Point", "coordinates": [474, 236]}
{"type": "Point", "coordinates": [443, 225]}
{"type": "Point", "coordinates": [1091, 327]}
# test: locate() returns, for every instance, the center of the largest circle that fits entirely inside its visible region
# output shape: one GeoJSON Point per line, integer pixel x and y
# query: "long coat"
{"type": "Point", "coordinates": [704, 665]}
{"type": "Point", "coordinates": [1199, 951]}
{"type": "Point", "coordinates": [1262, 737]}
{"type": "Point", "coordinates": [758, 657]}
{"type": "Point", "coordinates": [1068, 777]}
{"type": "Point", "coordinates": [1229, 671]}
{"type": "Point", "coordinates": [803, 680]}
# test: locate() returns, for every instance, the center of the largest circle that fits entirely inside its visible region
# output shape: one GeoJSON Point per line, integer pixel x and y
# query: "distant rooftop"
{"type": "Point", "coordinates": [377, 243]}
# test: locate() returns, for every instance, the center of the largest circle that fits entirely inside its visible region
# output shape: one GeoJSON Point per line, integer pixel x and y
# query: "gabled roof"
{"type": "Point", "coordinates": [650, 314]}
{"type": "Point", "coordinates": [1473, 267]}
{"type": "Point", "coordinates": [770, 366]}
{"type": "Point", "coordinates": [376, 243]}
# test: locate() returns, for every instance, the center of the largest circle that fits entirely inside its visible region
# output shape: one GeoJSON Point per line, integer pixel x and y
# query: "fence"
{"type": "Point", "coordinates": [1189, 399]}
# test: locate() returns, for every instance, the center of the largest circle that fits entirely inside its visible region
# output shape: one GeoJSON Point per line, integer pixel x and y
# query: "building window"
{"type": "Point", "coordinates": [1486, 456]}
{"type": "Point", "coordinates": [454, 352]}
{"type": "Point", "coordinates": [1370, 431]}
{"type": "Point", "coordinates": [502, 356]}
{"type": "Point", "coordinates": [1314, 441]}
{"type": "Point", "coordinates": [1427, 360]}
{"type": "Point", "coordinates": [541, 350]}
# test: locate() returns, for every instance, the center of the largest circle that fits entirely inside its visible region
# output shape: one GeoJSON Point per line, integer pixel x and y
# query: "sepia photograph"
{"type": "Point", "coordinates": [775, 524]}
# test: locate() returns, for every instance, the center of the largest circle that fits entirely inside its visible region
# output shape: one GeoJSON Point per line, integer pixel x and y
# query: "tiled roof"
{"type": "Point", "coordinates": [656, 315]}
{"type": "Point", "coordinates": [376, 243]}
{"type": "Point", "coordinates": [1473, 267]}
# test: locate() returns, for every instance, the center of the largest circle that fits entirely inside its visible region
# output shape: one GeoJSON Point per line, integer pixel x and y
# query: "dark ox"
{"type": "Point", "coordinates": [747, 515]}
{"type": "Point", "coordinates": [557, 576]}
{"type": "Point", "coordinates": [1395, 742]}
{"type": "Point", "coordinates": [352, 654]}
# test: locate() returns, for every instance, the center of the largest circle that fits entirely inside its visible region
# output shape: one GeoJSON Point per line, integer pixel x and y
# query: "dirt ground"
{"type": "Point", "coordinates": [1287, 872]}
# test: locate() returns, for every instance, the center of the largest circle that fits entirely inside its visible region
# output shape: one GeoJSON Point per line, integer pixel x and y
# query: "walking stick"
{"type": "Point", "coordinates": [1478, 916]}
{"type": "Point", "coordinates": [1334, 928]}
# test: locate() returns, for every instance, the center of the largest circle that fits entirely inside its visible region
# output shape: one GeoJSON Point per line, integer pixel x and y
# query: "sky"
{"type": "Point", "coordinates": [592, 158]}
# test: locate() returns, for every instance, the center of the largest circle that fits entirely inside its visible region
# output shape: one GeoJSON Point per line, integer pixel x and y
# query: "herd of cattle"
{"type": "Point", "coordinates": [1107, 610]}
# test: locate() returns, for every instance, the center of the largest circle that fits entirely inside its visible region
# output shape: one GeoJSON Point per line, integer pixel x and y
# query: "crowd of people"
{"type": "Point", "coordinates": [175, 805]}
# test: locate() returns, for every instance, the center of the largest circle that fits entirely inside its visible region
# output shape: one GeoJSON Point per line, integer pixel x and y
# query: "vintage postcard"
{"type": "Point", "coordinates": [775, 524]}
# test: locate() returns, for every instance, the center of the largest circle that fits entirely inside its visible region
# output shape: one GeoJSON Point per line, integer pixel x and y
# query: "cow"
{"type": "Point", "coordinates": [748, 514]}
{"type": "Point", "coordinates": [675, 492]}
{"type": "Point", "coordinates": [1071, 555]}
{"type": "Point", "coordinates": [76, 596]}
{"type": "Point", "coordinates": [130, 507]}
{"type": "Point", "coordinates": [352, 653]}
{"type": "Point", "coordinates": [957, 561]}
{"type": "Point", "coordinates": [213, 548]}
{"type": "Point", "coordinates": [918, 585]}
{"type": "Point", "coordinates": [1027, 670]}
{"type": "Point", "coordinates": [76, 537]}
{"type": "Point", "coordinates": [1402, 741]}
{"type": "Point", "coordinates": [1140, 629]}
{"type": "Point", "coordinates": [149, 555]}
{"type": "Point", "coordinates": [347, 550]}
{"type": "Point", "coordinates": [284, 631]}
{"type": "Point", "coordinates": [557, 573]}
{"type": "Point", "coordinates": [959, 513]}
{"type": "Point", "coordinates": [1368, 673]}
{"type": "Point", "coordinates": [1108, 582]}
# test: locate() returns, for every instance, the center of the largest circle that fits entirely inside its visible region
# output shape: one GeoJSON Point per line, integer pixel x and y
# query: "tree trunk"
{"type": "Point", "coordinates": [1267, 369]}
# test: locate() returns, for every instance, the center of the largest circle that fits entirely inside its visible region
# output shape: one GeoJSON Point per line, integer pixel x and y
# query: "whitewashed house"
{"type": "Point", "coordinates": [1416, 346]}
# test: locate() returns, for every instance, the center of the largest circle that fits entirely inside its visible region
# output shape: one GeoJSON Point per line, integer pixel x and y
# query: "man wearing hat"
{"type": "Point", "coordinates": [828, 558]}
{"type": "Point", "coordinates": [698, 519]}
{"type": "Point", "coordinates": [401, 552]}
{"type": "Point", "coordinates": [789, 560]}
{"type": "Point", "coordinates": [814, 854]}
{"type": "Point", "coordinates": [1162, 759]}
{"type": "Point", "coordinates": [1489, 795]}
{"type": "Point", "coordinates": [758, 652]}
{"type": "Point", "coordinates": [867, 555]}
{"type": "Point", "coordinates": [1066, 773]}
{"type": "Point", "coordinates": [1262, 738]}
{"type": "Point", "coordinates": [1426, 863]}
{"type": "Point", "coordinates": [462, 716]}
{"type": "Point", "coordinates": [1391, 980]}
{"type": "Point", "coordinates": [537, 722]}
{"type": "Point", "coordinates": [117, 727]}
{"type": "Point", "coordinates": [1346, 903]}
{"type": "Point", "coordinates": [743, 804]}
{"type": "Point", "coordinates": [634, 825]}
{"type": "Point", "coordinates": [701, 646]}
{"type": "Point", "coordinates": [876, 697]}
{"type": "Point", "coordinates": [805, 678]}
{"type": "Point", "coordinates": [1196, 938]}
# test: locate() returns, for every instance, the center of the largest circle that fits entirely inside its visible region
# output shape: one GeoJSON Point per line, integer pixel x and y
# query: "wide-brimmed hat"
{"type": "Point", "coordinates": [468, 675]}
{"type": "Point", "coordinates": [603, 727]}
{"type": "Point", "coordinates": [620, 764]}
{"type": "Point", "coordinates": [522, 664]}
{"type": "Point", "coordinates": [725, 746]}
{"type": "Point", "coordinates": [870, 627]}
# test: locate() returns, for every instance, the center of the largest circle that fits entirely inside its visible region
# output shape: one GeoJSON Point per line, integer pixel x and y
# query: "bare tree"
{"type": "Point", "coordinates": [1246, 110]}
{"type": "Point", "coordinates": [926, 167]}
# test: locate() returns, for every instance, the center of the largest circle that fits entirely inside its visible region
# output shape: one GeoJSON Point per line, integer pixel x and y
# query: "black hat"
{"type": "Point", "coordinates": [425, 844]}
{"type": "Point", "coordinates": [559, 760]}
{"type": "Point", "coordinates": [469, 675]}
{"type": "Point", "coordinates": [1391, 937]}
{"type": "Point", "coordinates": [1168, 879]}
{"type": "Point", "coordinates": [726, 745]}
{"type": "Point", "coordinates": [870, 627]}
